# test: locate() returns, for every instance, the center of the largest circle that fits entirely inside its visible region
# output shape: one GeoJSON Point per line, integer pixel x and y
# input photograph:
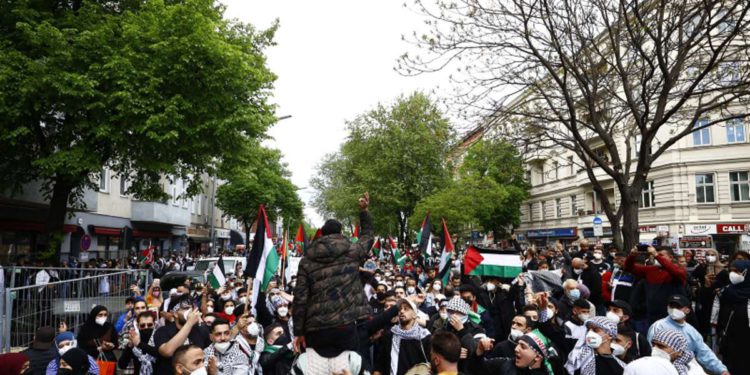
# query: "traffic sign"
{"type": "Point", "coordinates": [85, 242]}
{"type": "Point", "coordinates": [598, 229]}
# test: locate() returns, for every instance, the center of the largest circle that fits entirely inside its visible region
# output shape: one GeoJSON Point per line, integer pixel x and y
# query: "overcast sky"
{"type": "Point", "coordinates": [334, 60]}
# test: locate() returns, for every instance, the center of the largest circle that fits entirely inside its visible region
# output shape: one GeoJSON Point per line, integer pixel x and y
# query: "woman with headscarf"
{"type": "Point", "coordinates": [97, 336]}
{"type": "Point", "coordinates": [64, 342]}
{"type": "Point", "coordinates": [14, 363]}
{"type": "Point", "coordinates": [74, 362]}
{"type": "Point", "coordinates": [733, 324]}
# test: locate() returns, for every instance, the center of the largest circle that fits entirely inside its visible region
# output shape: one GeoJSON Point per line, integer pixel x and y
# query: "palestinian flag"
{"type": "Point", "coordinates": [263, 260]}
{"type": "Point", "coordinates": [216, 278]}
{"type": "Point", "coordinates": [301, 240]}
{"type": "Point", "coordinates": [376, 247]}
{"type": "Point", "coordinates": [318, 234]}
{"type": "Point", "coordinates": [391, 242]}
{"type": "Point", "coordinates": [147, 256]}
{"type": "Point", "coordinates": [355, 234]}
{"type": "Point", "coordinates": [476, 317]}
{"type": "Point", "coordinates": [492, 262]}
{"type": "Point", "coordinates": [444, 268]}
{"type": "Point", "coordinates": [398, 258]}
{"type": "Point", "coordinates": [424, 239]}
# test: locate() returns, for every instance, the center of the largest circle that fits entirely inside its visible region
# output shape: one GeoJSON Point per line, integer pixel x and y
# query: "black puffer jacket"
{"type": "Point", "coordinates": [329, 292]}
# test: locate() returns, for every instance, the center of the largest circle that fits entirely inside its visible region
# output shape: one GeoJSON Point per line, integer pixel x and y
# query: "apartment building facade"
{"type": "Point", "coordinates": [115, 225]}
{"type": "Point", "coordinates": [697, 196]}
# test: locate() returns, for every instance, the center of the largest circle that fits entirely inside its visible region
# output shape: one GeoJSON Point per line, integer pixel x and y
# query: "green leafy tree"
{"type": "Point", "coordinates": [398, 153]}
{"type": "Point", "coordinates": [487, 192]}
{"type": "Point", "coordinates": [261, 179]}
{"type": "Point", "coordinates": [145, 88]}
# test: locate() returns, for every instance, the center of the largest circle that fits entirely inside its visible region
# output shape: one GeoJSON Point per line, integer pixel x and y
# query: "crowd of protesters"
{"type": "Point", "coordinates": [581, 310]}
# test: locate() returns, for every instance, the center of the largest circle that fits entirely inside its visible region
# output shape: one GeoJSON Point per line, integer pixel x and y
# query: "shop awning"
{"type": "Point", "coordinates": [104, 231]}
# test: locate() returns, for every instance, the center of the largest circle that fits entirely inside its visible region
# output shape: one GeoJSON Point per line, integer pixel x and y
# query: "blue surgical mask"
{"type": "Point", "coordinates": [574, 294]}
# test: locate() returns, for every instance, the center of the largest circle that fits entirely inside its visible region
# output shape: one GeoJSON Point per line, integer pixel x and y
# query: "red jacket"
{"type": "Point", "coordinates": [667, 273]}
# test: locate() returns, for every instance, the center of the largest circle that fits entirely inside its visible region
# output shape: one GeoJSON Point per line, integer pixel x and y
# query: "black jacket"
{"type": "Point", "coordinates": [39, 359]}
{"type": "Point", "coordinates": [411, 352]}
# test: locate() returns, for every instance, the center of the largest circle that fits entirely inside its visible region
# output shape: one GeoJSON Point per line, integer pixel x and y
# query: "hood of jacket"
{"type": "Point", "coordinates": [328, 249]}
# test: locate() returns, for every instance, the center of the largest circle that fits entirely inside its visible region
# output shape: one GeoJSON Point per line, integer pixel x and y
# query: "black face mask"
{"type": "Point", "coordinates": [64, 371]}
{"type": "Point", "coordinates": [282, 340]}
{"type": "Point", "coordinates": [380, 296]}
{"type": "Point", "coordinates": [468, 301]}
{"type": "Point", "coordinates": [146, 334]}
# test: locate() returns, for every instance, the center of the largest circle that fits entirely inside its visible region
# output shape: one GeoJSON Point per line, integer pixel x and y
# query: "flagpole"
{"type": "Point", "coordinates": [283, 259]}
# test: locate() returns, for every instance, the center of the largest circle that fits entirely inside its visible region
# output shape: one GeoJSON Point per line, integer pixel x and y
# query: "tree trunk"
{"type": "Point", "coordinates": [48, 245]}
{"type": "Point", "coordinates": [630, 218]}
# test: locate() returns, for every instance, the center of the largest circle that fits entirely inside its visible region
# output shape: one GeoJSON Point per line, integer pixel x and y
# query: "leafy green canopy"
{"type": "Point", "coordinates": [260, 179]}
{"type": "Point", "coordinates": [486, 194]}
{"type": "Point", "coordinates": [146, 88]}
{"type": "Point", "coordinates": [398, 153]}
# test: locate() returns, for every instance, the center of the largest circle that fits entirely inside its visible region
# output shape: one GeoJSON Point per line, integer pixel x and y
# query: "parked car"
{"type": "Point", "coordinates": [173, 279]}
{"type": "Point", "coordinates": [230, 264]}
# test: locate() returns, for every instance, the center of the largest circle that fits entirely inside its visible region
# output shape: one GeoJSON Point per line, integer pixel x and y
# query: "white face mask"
{"type": "Point", "coordinates": [710, 258]}
{"type": "Point", "coordinates": [243, 300]}
{"type": "Point", "coordinates": [100, 320]}
{"type": "Point", "coordinates": [550, 312]}
{"type": "Point", "coordinates": [613, 317]}
{"type": "Point", "coordinates": [675, 314]}
{"type": "Point", "coordinates": [597, 256]}
{"type": "Point", "coordinates": [65, 348]}
{"type": "Point", "coordinates": [659, 353]}
{"type": "Point", "coordinates": [490, 287]}
{"type": "Point", "coordinates": [185, 314]}
{"type": "Point", "coordinates": [253, 329]}
{"type": "Point", "coordinates": [593, 340]}
{"type": "Point", "coordinates": [222, 347]}
{"type": "Point", "coordinates": [578, 271]}
{"type": "Point", "coordinates": [736, 278]}
{"type": "Point", "coordinates": [210, 309]}
{"type": "Point", "coordinates": [515, 334]}
{"type": "Point", "coordinates": [200, 371]}
{"type": "Point", "coordinates": [283, 311]}
{"type": "Point", "coordinates": [617, 349]}
{"type": "Point", "coordinates": [656, 263]}
{"type": "Point", "coordinates": [411, 290]}
{"type": "Point", "coordinates": [229, 310]}
{"type": "Point", "coordinates": [444, 315]}
{"type": "Point", "coordinates": [437, 287]}
{"type": "Point", "coordinates": [583, 317]}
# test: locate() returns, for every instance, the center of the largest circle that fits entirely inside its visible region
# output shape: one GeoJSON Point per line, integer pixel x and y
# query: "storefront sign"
{"type": "Point", "coordinates": [731, 228]}
{"type": "Point", "coordinates": [696, 229]}
{"type": "Point", "coordinates": [647, 228]}
{"type": "Point", "coordinates": [198, 232]}
{"type": "Point", "coordinates": [663, 230]}
{"type": "Point", "coordinates": [222, 233]}
{"type": "Point", "coordinates": [557, 232]}
{"type": "Point", "coordinates": [589, 232]}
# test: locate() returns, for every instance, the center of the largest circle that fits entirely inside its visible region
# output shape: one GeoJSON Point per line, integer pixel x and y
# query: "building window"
{"type": "Point", "coordinates": [558, 208]}
{"type": "Point", "coordinates": [527, 175]}
{"type": "Point", "coordinates": [729, 73]}
{"type": "Point", "coordinates": [557, 167]}
{"type": "Point", "coordinates": [647, 195]}
{"type": "Point", "coordinates": [123, 186]}
{"type": "Point", "coordinates": [735, 131]}
{"type": "Point", "coordinates": [739, 186]}
{"type": "Point", "coordinates": [571, 165]}
{"type": "Point", "coordinates": [701, 137]}
{"type": "Point", "coordinates": [704, 188]}
{"type": "Point", "coordinates": [541, 169]}
{"type": "Point", "coordinates": [542, 207]}
{"type": "Point", "coordinates": [573, 205]}
{"type": "Point", "coordinates": [530, 208]}
{"type": "Point", "coordinates": [104, 180]}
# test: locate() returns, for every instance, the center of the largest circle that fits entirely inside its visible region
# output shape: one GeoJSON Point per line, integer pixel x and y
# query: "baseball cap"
{"type": "Point", "coordinates": [680, 300]}
{"type": "Point", "coordinates": [626, 309]}
{"type": "Point", "coordinates": [408, 302]}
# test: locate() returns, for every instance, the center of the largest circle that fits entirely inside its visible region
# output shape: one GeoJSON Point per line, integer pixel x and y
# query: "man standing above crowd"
{"type": "Point", "coordinates": [329, 297]}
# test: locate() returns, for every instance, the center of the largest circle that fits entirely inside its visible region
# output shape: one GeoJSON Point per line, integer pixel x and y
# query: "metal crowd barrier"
{"type": "Point", "coordinates": [25, 308]}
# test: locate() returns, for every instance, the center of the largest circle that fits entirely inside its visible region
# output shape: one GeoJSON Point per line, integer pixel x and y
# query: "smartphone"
{"type": "Point", "coordinates": [643, 248]}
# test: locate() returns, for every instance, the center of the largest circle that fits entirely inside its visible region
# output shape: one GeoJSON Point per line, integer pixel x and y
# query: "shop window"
{"type": "Point", "coordinates": [739, 186]}
{"type": "Point", "coordinates": [704, 188]}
